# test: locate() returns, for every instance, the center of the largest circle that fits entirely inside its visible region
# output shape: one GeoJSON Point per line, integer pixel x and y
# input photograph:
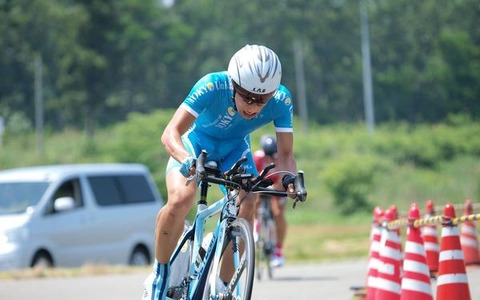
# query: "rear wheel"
{"type": "Point", "coordinates": [264, 247]}
{"type": "Point", "coordinates": [42, 259]}
{"type": "Point", "coordinates": [139, 257]}
{"type": "Point", "coordinates": [238, 237]}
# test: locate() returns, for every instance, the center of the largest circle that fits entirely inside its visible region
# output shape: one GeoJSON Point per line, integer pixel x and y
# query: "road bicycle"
{"type": "Point", "coordinates": [265, 239]}
{"type": "Point", "coordinates": [197, 261]}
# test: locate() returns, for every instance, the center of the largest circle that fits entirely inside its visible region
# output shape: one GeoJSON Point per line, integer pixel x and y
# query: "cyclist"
{"type": "Point", "coordinates": [218, 115]}
{"type": "Point", "coordinates": [263, 157]}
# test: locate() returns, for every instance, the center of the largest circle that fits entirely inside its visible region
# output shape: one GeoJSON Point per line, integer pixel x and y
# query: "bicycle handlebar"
{"type": "Point", "coordinates": [237, 178]}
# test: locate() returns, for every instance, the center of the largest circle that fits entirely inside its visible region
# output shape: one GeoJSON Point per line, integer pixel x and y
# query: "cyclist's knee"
{"type": "Point", "coordinates": [180, 200]}
{"type": "Point", "coordinates": [180, 205]}
{"type": "Point", "coordinates": [247, 208]}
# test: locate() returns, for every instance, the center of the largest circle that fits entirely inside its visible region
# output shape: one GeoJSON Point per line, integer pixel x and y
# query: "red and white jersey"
{"type": "Point", "coordinates": [261, 163]}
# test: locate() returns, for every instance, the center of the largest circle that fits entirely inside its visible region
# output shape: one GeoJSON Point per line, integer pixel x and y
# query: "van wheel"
{"type": "Point", "coordinates": [139, 257]}
{"type": "Point", "coordinates": [42, 259]}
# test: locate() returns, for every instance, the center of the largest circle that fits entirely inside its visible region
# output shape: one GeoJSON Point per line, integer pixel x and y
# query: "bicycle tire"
{"type": "Point", "coordinates": [241, 284]}
{"type": "Point", "coordinates": [266, 241]}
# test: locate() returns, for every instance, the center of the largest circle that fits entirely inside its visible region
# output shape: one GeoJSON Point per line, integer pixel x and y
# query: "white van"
{"type": "Point", "coordinates": [69, 215]}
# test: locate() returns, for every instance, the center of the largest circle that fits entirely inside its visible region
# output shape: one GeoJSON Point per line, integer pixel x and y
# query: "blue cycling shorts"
{"type": "Point", "coordinates": [225, 152]}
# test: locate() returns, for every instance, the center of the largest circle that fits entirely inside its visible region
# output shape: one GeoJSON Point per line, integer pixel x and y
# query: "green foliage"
{"type": "Point", "coordinates": [18, 123]}
{"type": "Point", "coordinates": [351, 180]}
{"type": "Point", "coordinates": [138, 140]}
{"type": "Point", "coordinates": [347, 171]}
{"type": "Point", "coordinates": [105, 59]}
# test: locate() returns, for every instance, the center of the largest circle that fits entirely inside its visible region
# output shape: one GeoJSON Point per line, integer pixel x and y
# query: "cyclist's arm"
{"type": "Point", "coordinates": [286, 160]}
{"type": "Point", "coordinates": [171, 137]}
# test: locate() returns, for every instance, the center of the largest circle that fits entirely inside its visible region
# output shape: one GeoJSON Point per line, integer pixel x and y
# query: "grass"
{"type": "Point", "coordinates": [329, 242]}
{"type": "Point", "coordinates": [87, 269]}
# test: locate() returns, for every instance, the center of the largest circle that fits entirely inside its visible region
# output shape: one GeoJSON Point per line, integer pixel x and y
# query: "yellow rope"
{"type": "Point", "coordinates": [395, 224]}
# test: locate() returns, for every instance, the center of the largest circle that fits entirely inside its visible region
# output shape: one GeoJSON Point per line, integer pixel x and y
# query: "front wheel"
{"type": "Point", "coordinates": [238, 255]}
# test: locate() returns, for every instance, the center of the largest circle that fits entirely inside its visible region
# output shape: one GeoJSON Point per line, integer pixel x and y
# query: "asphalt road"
{"type": "Point", "coordinates": [317, 281]}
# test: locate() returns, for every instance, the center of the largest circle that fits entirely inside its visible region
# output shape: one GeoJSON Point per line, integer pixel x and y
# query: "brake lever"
{"type": "Point", "coordinates": [236, 167]}
{"type": "Point", "coordinates": [300, 191]}
{"type": "Point", "coordinates": [266, 170]}
{"type": "Point", "coordinates": [295, 203]}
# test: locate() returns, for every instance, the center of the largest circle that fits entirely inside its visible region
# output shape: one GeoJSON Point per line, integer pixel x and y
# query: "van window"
{"type": "Point", "coordinates": [70, 188]}
{"type": "Point", "coordinates": [17, 197]}
{"type": "Point", "coordinates": [122, 189]}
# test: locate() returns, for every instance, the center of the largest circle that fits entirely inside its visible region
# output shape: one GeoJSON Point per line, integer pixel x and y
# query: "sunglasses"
{"type": "Point", "coordinates": [251, 98]}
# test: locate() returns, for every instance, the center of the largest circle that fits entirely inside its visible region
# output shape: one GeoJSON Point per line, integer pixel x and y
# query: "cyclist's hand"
{"type": "Point", "coordinates": [187, 168]}
{"type": "Point", "coordinates": [288, 182]}
{"type": "Point", "coordinates": [295, 186]}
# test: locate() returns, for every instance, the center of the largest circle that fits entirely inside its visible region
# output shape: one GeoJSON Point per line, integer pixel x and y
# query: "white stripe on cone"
{"type": "Point", "coordinates": [416, 248]}
{"type": "Point", "coordinates": [417, 286]}
{"type": "Point", "coordinates": [450, 231]}
{"type": "Point", "coordinates": [451, 278]}
{"type": "Point", "coordinates": [451, 255]}
{"type": "Point", "coordinates": [432, 246]}
{"type": "Point", "coordinates": [388, 285]}
{"type": "Point", "coordinates": [469, 242]}
{"type": "Point", "coordinates": [430, 231]}
{"type": "Point", "coordinates": [469, 229]}
{"type": "Point", "coordinates": [415, 266]}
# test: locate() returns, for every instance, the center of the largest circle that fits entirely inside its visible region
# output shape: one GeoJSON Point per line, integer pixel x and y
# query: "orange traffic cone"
{"type": "Point", "coordinates": [452, 279]}
{"type": "Point", "coordinates": [468, 238]}
{"type": "Point", "coordinates": [416, 275]}
{"type": "Point", "coordinates": [374, 255]}
{"type": "Point", "coordinates": [430, 240]}
{"type": "Point", "coordinates": [389, 270]}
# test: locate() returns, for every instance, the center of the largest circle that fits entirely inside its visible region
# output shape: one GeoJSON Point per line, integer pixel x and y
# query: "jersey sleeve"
{"type": "Point", "coordinates": [199, 96]}
{"type": "Point", "coordinates": [284, 111]}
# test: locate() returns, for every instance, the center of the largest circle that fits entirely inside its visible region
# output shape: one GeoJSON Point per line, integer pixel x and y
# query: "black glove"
{"type": "Point", "coordinates": [288, 179]}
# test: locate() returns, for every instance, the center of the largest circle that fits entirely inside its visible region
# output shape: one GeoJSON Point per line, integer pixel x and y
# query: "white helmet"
{"type": "Point", "coordinates": [256, 69]}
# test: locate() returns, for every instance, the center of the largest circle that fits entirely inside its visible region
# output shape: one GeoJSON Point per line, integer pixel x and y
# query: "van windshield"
{"type": "Point", "coordinates": [16, 197]}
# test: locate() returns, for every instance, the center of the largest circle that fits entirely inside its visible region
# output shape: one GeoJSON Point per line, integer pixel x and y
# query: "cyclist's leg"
{"type": "Point", "coordinates": [278, 211]}
{"type": "Point", "coordinates": [169, 228]}
{"type": "Point", "coordinates": [155, 286]}
{"type": "Point", "coordinates": [170, 223]}
{"type": "Point", "coordinates": [171, 218]}
{"type": "Point", "coordinates": [260, 215]}
{"type": "Point", "coordinates": [256, 220]}
{"type": "Point", "coordinates": [265, 244]}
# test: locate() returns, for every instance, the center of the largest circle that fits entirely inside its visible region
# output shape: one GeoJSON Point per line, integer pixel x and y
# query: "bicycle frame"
{"type": "Point", "coordinates": [198, 264]}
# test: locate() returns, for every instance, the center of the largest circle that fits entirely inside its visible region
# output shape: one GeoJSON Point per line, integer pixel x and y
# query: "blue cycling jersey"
{"type": "Point", "coordinates": [220, 129]}
{"type": "Point", "coordinates": [210, 100]}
